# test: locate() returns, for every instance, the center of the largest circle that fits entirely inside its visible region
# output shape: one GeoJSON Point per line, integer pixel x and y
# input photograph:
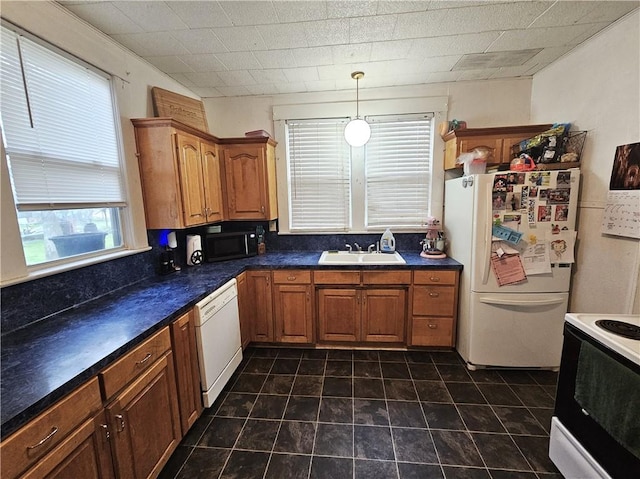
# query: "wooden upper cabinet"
{"type": "Point", "coordinates": [250, 179]}
{"type": "Point", "coordinates": [180, 174]}
{"type": "Point", "coordinates": [498, 140]}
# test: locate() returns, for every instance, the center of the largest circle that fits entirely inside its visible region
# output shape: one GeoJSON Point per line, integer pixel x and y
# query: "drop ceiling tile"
{"type": "Point", "coordinates": [105, 17]}
{"type": "Point", "coordinates": [295, 87]}
{"type": "Point", "coordinates": [437, 64]}
{"type": "Point", "coordinates": [537, 38]}
{"type": "Point", "coordinates": [182, 78]}
{"type": "Point", "coordinates": [275, 59]}
{"type": "Point", "coordinates": [151, 44]}
{"type": "Point", "coordinates": [442, 4]}
{"type": "Point", "coordinates": [207, 92]}
{"type": "Point", "coordinates": [201, 14]}
{"type": "Point", "coordinates": [201, 40]}
{"type": "Point", "coordinates": [301, 74]}
{"type": "Point", "coordinates": [306, 57]}
{"type": "Point", "coordinates": [205, 80]}
{"type": "Point", "coordinates": [420, 24]}
{"type": "Point", "coordinates": [592, 29]}
{"type": "Point", "coordinates": [327, 32]}
{"type": "Point", "coordinates": [275, 75]}
{"type": "Point", "coordinates": [371, 29]}
{"type": "Point", "coordinates": [233, 91]}
{"type": "Point", "coordinates": [329, 72]}
{"type": "Point", "coordinates": [207, 62]}
{"type": "Point", "coordinates": [237, 78]}
{"type": "Point", "coordinates": [250, 13]}
{"type": "Point", "coordinates": [238, 60]}
{"type": "Point", "coordinates": [391, 50]}
{"type": "Point", "coordinates": [385, 7]}
{"type": "Point", "coordinates": [360, 52]}
{"type": "Point", "coordinates": [351, 8]}
{"type": "Point", "coordinates": [320, 85]}
{"type": "Point", "coordinates": [510, 72]}
{"type": "Point", "coordinates": [263, 89]}
{"type": "Point", "coordinates": [169, 64]}
{"type": "Point", "coordinates": [374, 70]}
{"type": "Point", "coordinates": [289, 35]}
{"type": "Point", "coordinates": [609, 11]}
{"type": "Point", "coordinates": [510, 58]}
{"type": "Point", "coordinates": [298, 11]}
{"type": "Point", "coordinates": [442, 77]}
{"type": "Point", "coordinates": [241, 39]}
{"type": "Point", "coordinates": [452, 44]}
{"type": "Point", "coordinates": [563, 13]}
{"type": "Point", "coordinates": [151, 16]}
{"type": "Point", "coordinates": [484, 74]}
{"type": "Point", "coordinates": [548, 55]}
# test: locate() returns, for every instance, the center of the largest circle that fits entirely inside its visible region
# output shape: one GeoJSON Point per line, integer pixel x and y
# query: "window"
{"type": "Point", "coordinates": [387, 183]}
{"type": "Point", "coordinates": [59, 129]}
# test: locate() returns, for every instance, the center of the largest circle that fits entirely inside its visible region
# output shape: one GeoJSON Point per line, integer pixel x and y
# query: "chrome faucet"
{"type": "Point", "coordinates": [349, 248]}
{"type": "Point", "coordinates": [358, 247]}
{"type": "Point", "coordinates": [370, 248]}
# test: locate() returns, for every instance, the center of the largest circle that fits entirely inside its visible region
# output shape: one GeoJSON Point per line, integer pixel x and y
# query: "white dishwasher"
{"type": "Point", "coordinates": [218, 339]}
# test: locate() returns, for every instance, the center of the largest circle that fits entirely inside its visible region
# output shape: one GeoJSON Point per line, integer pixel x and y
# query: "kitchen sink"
{"type": "Point", "coordinates": [357, 258]}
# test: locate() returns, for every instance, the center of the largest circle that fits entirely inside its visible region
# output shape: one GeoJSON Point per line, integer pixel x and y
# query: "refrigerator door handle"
{"type": "Point", "coordinates": [518, 302]}
{"type": "Point", "coordinates": [487, 234]}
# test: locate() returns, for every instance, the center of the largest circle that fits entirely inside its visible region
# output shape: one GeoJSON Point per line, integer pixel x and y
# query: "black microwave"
{"type": "Point", "coordinates": [223, 246]}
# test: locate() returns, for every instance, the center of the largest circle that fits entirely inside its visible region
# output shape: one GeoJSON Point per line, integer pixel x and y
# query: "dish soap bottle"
{"type": "Point", "coordinates": [387, 242]}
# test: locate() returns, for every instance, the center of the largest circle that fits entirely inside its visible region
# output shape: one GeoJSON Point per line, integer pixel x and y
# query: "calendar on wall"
{"type": "Point", "coordinates": [622, 211]}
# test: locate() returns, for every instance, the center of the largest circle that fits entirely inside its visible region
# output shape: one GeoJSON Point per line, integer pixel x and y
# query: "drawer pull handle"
{"type": "Point", "coordinates": [291, 278]}
{"type": "Point", "coordinates": [432, 326]}
{"type": "Point", "coordinates": [584, 411]}
{"type": "Point", "coordinates": [434, 294]}
{"type": "Point", "coordinates": [121, 423]}
{"type": "Point", "coordinates": [54, 430]}
{"type": "Point", "coordinates": [435, 279]}
{"type": "Point", "coordinates": [144, 360]}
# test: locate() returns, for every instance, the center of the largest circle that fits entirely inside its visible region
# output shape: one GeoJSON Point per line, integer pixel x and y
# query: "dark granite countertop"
{"type": "Point", "coordinates": [48, 359]}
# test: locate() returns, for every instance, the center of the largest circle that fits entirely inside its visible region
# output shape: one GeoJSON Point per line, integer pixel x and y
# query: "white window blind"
{"type": "Point", "coordinates": [398, 164]}
{"type": "Point", "coordinates": [59, 128]}
{"type": "Point", "coordinates": [319, 175]}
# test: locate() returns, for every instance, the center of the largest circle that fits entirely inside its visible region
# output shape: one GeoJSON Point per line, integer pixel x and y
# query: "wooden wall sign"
{"type": "Point", "coordinates": [182, 108]}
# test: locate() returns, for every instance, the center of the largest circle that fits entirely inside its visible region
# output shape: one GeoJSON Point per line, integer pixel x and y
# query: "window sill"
{"type": "Point", "coordinates": [71, 265]}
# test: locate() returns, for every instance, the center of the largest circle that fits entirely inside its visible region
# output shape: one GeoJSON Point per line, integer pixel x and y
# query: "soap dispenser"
{"type": "Point", "coordinates": [387, 242]}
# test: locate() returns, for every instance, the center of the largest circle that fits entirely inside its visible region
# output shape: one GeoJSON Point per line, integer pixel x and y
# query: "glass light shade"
{"type": "Point", "coordinates": [357, 132]}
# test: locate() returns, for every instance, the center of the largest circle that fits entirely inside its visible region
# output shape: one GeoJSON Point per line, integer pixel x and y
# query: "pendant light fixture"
{"type": "Point", "coordinates": [357, 132]}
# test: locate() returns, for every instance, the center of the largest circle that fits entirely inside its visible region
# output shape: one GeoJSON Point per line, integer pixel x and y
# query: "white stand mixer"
{"type": "Point", "coordinates": [434, 242]}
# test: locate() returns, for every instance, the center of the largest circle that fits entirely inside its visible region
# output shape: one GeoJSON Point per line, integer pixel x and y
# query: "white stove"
{"type": "Point", "coordinates": [629, 348]}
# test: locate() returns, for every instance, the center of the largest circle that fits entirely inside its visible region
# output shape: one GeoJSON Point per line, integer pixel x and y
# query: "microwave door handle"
{"type": "Point", "coordinates": [246, 244]}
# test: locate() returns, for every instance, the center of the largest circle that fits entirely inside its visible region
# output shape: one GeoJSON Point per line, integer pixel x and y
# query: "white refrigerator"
{"type": "Point", "coordinates": [518, 324]}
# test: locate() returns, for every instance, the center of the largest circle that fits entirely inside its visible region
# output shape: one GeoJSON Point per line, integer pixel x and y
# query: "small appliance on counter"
{"type": "Point", "coordinates": [434, 242]}
{"type": "Point", "coordinates": [194, 250]}
{"type": "Point", "coordinates": [168, 257]}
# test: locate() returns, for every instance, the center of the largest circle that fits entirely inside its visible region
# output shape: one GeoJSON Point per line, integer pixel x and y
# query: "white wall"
{"type": "Point", "coordinates": [51, 22]}
{"type": "Point", "coordinates": [597, 88]}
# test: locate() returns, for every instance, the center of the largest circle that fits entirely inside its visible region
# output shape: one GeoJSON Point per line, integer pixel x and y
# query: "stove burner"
{"type": "Point", "coordinates": [627, 330]}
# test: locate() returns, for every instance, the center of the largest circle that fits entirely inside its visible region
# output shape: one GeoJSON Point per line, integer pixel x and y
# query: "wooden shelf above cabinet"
{"type": "Point", "coordinates": [499, 140]}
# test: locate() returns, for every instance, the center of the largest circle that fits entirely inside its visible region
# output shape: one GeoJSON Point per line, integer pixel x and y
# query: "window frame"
{"type": "Point", "coordinates": [16, 269]}
{"type": "Point", "coordinates": [401, 106]}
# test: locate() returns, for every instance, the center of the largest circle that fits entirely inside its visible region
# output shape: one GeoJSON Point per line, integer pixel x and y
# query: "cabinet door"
{"type": "Point", "coordinates": [86, 453]}
{"type": "Point", "coordinates": [191, 180]}
{"type": "Point", "coordinates": [183, 336]}
{"type": "Point", "coordinates": [493, 144]}
{"type": "Point", "coordinates": [244, 309]}
{"type": "Point", "coordinates": [145, 423]}
{"type": "Point", "coordinates": [338, 314]}
{"type": "Point", "coordinates": [211, 170]}
{"type": "Point", "coordinates": [293, 313]}
{"type": "Point", "coordinates": [260, 306]}
{"type": "Point", "coordinates": [384, 315]}
{"type": "Point", "coordinates": [245, 181]}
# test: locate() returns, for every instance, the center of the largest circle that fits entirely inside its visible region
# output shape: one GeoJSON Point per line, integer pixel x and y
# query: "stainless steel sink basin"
{"type": "Point", "coordinates": [360, 258]}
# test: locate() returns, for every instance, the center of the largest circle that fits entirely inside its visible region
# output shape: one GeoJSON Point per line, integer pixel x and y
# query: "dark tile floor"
{"type": "Point", "coordinates": [335, 414]}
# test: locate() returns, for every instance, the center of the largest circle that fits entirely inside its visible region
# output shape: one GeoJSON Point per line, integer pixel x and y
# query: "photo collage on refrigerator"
{"type": "Point", "coordinates": [531, 227]}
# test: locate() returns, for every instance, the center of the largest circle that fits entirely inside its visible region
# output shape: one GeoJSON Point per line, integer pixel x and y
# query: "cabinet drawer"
{"type": "Point", "coordinates": [125, 369]}
{"type": "Point", "coordinates": [434, 277]}
{"type": "Point", "coordinates": [386, 277]}
{"type": "Point", "coordinates": [336, 277]}
{"type": "Point", "coordinates": [33, 441]}
{"type": "Point", "coordinates": [434, 300]}
{"type": "Point", "coordinates": [432, 332]}
{"type": "Point", "coordinates": [292, 276]}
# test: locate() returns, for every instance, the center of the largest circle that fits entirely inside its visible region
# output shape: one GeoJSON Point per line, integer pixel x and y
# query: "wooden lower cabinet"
{"type": "Point", "coordinates": [260, 306]}
{"type": "Point", "coordinates": [434, 308]}
{"type": "Point", "coordinates": [244, 309]}
{"type": "Point", "coordinates": [355, 315]}
{"type": "Point", "coordinates": [293, 306]}
{"type": "Point", "coordinates": [145, 423]}
{"type": "Point", "coordinates": [183, 344]}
